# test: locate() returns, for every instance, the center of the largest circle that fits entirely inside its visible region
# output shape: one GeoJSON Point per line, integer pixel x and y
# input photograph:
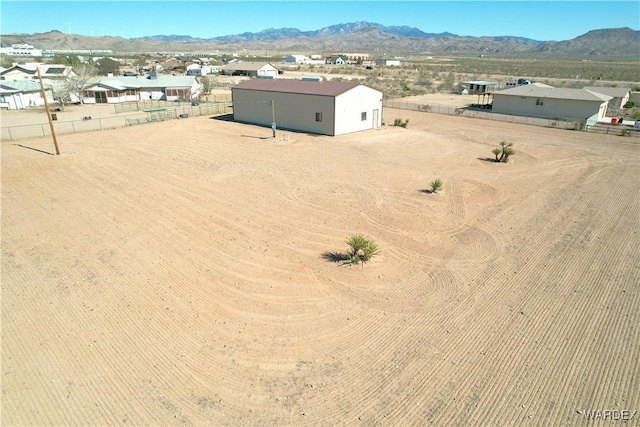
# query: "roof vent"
{"type": "Point", "coordinates": [312, 78]}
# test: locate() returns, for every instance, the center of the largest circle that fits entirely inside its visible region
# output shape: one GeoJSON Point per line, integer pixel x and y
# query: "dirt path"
{"type": "Point", "coordinates": [173, 274]}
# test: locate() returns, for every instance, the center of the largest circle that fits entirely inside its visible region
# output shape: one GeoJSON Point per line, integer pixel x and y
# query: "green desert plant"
{"type": "Point", "coordinates": [436, 185]}
{"type": "Point", "coordinates": [399, 122]}
{"type": "Point", "coordinates": [361, 249]}
{"type": "Point", "coordinates": [503, 152]}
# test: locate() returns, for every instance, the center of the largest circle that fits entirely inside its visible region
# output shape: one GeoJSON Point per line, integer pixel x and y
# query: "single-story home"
{"type": "Point", "coordinates": [337, 59]}
{"type": "Point", "coordinates": [21, 94]}
{"type": "Point", "coordinates": [250, 69]}
{"type": "Point", "coordinates": [114, 90]}
{"type": "Point", "coordinates": [30, 72]}
{"type": "Point", "coordinates": [320, 107]}
{"type": "Point", "coordinates": [549, 102]}
{"type": "Point", "coordinates": [620, 95]}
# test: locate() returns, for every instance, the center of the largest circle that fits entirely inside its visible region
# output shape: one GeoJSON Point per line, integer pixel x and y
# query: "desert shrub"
{"type": "Point", "coordinates": [636, 115]}
{"type": "Point", "coordinates": [625, 132]}
{"type": "Point", "coordinates": [399, 122]}
{"type": "Point", "coordinates": [503, 152]}
{"type": "Point", "coordinates": [361, 249]}
{"type": "Point", "coordinates": [436, 185]}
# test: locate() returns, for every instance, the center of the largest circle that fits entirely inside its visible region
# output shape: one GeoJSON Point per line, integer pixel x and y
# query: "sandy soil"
{"type": "Point", "coordinates": [180, 273]}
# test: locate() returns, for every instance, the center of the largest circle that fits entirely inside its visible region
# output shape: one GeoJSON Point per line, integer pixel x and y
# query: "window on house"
{"type": "Point", "coordinates": [318, 117]}
{"type": "Point", "coordinates": [539, 101]}
{"type": "Point", "coordinates": [363, 116]}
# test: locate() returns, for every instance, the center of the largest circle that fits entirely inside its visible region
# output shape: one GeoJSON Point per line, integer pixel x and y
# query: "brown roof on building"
{"type": "Point", "coordinates": [323, 88]}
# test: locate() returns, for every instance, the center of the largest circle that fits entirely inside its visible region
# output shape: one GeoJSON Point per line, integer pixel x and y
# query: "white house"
{"type": "Point", "coordinates": [549, 102]}
{"type": "Point", "coordinates": [320, 107]}
{"type": "Point", "coordinates": [120, 89]}
{"type": "Point", "coordinates": [21, 94]}
{"type": "Point", "coordinates": [250, 69]}
{"type": "Point", "coordinates": [202, 70]}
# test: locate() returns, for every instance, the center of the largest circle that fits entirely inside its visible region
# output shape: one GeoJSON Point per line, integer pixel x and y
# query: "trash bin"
{"type": "Point", "coordinates": [614, 120]}
{"type": "Point", "coordinates": [184, 116]}
{"type": "Point", "coordinates": [54, 116]}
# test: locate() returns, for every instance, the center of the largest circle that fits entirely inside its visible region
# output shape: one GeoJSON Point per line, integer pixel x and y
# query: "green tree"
{"type": "Point", "coordinates": [108, 65]}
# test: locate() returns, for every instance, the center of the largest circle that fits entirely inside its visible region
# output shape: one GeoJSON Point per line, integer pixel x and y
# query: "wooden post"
{"type": "Point", "coordinates": [46, 106]}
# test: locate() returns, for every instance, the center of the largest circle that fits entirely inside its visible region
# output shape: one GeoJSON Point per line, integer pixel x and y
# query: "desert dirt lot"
{"type": "Point", "coordinates": [180, 273]}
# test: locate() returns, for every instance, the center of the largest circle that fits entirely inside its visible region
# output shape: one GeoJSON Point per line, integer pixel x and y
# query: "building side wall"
{"type": "Point", "coordinates": [292, 111]}
{"type": "Point", "coordinates": [550, 108]}
{"type": "Point", "coordinates": [350, 106]}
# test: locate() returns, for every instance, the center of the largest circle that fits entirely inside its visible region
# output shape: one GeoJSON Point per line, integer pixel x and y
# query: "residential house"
{"type": "Point", "coordinates": [22, 94]}
{"type": "Point", "coordinates": [113, 90]}
{"type": "Point", "coordinates": [620, 95]}
{"type": "Point", "coordinates": [544, 101]}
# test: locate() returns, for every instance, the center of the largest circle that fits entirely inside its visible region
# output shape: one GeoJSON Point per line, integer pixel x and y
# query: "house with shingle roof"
{"type": "Point", "coordinates": [550, 102]}
{"type": "Point", "coordinates": [620, 95]}
{"type": "Point", "coordinates": [320, 107]}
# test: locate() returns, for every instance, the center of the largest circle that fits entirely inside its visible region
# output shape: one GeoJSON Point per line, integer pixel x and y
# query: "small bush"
{"type": "Point", "coordinates": [503, 152]}
{"type": "Point", "coordinates": [436, 185]}
{"type": "Point", "coordinates": [629, 104]}
{"type": "Point", "coordinates": [400, 123]}
{"type": "Point", "coordinates": [361, 249]}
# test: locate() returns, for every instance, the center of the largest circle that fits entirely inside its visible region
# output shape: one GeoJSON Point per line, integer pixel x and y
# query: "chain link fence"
{"type": "Point", "coordinates": [479, 113]}
{"type": "Point", "coordinates": [139, 115]}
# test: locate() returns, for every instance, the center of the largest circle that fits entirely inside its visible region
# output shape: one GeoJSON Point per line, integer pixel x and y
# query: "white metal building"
{"type": "Point", "coordinates": [296, 59]}
{"type": "Point", "coordinates": [321, 107]}
{"type": "Point", "coordinates": [550, 102]}
{"type": "Point", "coordinates": [250, 69]}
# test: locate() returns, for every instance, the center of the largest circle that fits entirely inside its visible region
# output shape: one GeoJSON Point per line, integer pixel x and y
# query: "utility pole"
{"type": "Point", "coordinates": [46, 106]}
{"type": "Point", "coordinates": [273, 117]}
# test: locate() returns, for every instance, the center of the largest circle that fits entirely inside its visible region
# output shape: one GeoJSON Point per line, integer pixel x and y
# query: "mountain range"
{"type": "Point", "coordinates": [360, 36]}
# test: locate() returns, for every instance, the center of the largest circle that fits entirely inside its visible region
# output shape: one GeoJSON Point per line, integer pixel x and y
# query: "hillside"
{"type": "Point", "coordinates": [358, 36]}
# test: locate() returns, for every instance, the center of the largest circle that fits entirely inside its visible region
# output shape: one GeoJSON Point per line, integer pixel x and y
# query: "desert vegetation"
{"type": "Point", "coordinates": [436, 185]}
{"type": "Point", "coordinates": [503, 152]}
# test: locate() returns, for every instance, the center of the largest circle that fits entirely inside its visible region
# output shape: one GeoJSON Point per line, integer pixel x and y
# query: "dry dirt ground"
{"type": "Point", "coordinates": [181, 273]}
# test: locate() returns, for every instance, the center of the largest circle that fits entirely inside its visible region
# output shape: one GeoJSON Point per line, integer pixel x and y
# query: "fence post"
{"type": "Point", "coordinates": [42, 128]}
{"type": "Point", "coordinates": [73, 126]}
{"type": "Point", "coordinates": [10, 136]}
{"type": "Point", "coordinates": [100, 121]}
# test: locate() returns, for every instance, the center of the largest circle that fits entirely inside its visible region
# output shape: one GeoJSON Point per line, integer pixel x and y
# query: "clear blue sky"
{"type": "Point", "coordinates": [539, 20]}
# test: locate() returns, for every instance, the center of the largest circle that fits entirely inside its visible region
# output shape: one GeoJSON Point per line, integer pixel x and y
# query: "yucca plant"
{"type": "Point", "coordinates": [361, 249]}
{"type": "Point", "coordinates": [436, 185]}
{"type": "Point", "coordinates": [503, 152]}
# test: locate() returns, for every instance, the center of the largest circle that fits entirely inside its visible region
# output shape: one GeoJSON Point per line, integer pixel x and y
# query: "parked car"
{"type": "Point", "coordinates": [637, 124]}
